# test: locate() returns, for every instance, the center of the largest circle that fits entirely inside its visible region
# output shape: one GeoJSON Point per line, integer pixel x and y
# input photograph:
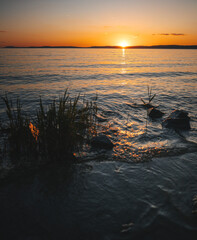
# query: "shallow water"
{"type": "Point", "coordinates": [120, 78]}
{"type": "Point", "coordinates": [144, 187]}
{"type": "Point", "coordinates": [103, 200]}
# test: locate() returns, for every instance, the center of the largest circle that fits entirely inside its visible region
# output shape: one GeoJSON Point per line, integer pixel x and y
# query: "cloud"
{"type": "Point", "coordinates": [2, 31]}
{"type": "Point", "coordinates": [178, 34]}
{"type": "Point", "coordinates": [170, 34]}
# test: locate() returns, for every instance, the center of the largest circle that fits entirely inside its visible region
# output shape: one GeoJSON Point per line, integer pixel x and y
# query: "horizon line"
{"type": "Point", "coordinates": [119, 47]}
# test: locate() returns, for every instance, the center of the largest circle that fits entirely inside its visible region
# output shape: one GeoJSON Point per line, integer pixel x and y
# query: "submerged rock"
{"type": "Point", "coordinates": [102, 141]}
{"type": "Point", "coordinates": [154, 113]}
{"type": "Point", "coordinates": [178, 119]}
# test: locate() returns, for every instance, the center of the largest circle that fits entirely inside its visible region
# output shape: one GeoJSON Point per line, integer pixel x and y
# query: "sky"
{"type": "Point", "coordinates": [87, 23]}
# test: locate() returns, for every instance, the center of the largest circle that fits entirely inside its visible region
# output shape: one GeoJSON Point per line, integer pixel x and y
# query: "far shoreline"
{"type": "Point", "coordinates": [113, 47]}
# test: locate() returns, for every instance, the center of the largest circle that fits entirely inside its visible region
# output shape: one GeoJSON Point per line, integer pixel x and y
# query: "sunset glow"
{"type": "Point", "coordinates": [123, 44]}
{"type": "Point", "coordinates": [98, 23]}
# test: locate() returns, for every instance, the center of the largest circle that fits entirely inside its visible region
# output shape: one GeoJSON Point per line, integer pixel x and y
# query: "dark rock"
{"type": "Point", "coordinates": [154, 113]}
{"type": "Point", "coordinates": [178, 119]}
{"type": "Point", "coordinates": [102, 141]}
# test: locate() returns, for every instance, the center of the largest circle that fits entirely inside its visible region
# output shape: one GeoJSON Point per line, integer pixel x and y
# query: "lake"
{"type": "Point", "coordinates": [144, 187]}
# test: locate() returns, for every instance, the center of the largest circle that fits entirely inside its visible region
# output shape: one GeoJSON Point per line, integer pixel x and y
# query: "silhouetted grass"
{"type": "Point", "coordinates": [56, 132]}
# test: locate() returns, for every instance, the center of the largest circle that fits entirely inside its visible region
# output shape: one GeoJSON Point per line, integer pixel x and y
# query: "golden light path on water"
{"type": "Point", "coordinates": [120, 78]}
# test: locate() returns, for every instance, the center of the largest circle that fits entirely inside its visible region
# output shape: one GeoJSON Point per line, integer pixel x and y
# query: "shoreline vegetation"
{"type": "Point", "coordinates": [54, 134]}
{"type": "Point", "coordinates": [62, 129]}
{"type": "Point", "coordinates": [116, 47]}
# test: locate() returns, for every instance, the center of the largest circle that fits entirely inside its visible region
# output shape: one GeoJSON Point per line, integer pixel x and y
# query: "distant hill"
{"type": "Point", "coordinates": [153, 47]}
{"type": "Point", "coordinates": [129, 47]}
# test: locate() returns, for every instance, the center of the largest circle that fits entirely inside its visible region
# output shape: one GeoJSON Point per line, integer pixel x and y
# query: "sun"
{"type": "Point", "coordinates": [123, 44]}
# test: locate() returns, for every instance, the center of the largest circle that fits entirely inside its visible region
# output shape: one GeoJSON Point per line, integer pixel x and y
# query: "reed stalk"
{"type": "Point", "coordinates": [55, 133]}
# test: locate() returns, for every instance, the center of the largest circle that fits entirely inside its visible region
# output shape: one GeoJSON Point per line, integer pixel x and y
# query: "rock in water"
{"type": "Point", "coordinates": [102, 141]}
{"type": "Point", "coordinates": [154, 113]}
{"type": "Point", "coordinates": [178, 119]}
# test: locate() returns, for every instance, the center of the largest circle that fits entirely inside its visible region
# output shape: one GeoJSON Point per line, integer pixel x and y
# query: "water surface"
{"type": "Point", "coordinates": [145, 185]}
{"type": "Point", "coordinates": [120, 78]}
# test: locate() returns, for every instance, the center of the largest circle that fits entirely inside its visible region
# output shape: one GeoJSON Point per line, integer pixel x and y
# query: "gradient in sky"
{"type": "Point", "coordinates": [95, 23]}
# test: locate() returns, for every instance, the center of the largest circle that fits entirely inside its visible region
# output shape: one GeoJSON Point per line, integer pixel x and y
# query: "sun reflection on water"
{"type": "Point", "coordinates": [120, 77]}
{"type": "Point", "coordinates": [123, 62]}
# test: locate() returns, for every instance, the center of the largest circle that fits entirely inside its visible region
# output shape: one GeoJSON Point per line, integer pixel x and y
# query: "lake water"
{"type": "Point", "coordinates": [148, 179]}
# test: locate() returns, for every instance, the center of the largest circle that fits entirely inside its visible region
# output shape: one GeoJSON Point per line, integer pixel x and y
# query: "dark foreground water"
{"type": "Point", "coordinates": [108, 200]}
{"type": "Point", "coordinates": [143, 188]}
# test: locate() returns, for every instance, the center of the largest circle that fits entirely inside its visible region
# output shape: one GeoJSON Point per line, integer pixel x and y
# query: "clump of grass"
{"type": "Point", "coordinates": [20, 140]}
{"type": "Point", "coordinates": [54, 134]}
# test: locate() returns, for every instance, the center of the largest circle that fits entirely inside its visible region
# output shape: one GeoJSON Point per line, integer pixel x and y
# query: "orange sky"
{"type": "Point", "coordinates": [95, 23]}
